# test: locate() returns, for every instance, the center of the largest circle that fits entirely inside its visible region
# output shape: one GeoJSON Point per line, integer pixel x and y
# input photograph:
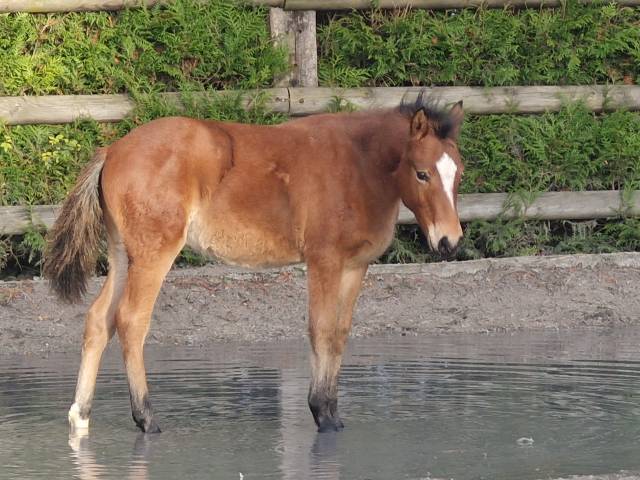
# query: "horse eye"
{"type": "Point", "coordinates": [422, 176]}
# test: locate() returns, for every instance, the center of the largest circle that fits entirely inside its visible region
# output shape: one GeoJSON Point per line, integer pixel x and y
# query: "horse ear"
{"type": "Point", "coordinates": [419, 124]}
{"type": "Point", "coordinates": [456, 114]}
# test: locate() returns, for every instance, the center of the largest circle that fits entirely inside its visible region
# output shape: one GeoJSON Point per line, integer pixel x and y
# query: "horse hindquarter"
{"type": "Point", "coordinates": [151, 182]}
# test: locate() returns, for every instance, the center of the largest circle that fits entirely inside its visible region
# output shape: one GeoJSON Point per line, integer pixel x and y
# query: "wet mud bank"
{"type": "Point", "coordinates": [202, 306]}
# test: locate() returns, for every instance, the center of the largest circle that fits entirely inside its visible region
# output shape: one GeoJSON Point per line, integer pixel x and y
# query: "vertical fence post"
{"type": "Point", "coordinates": [304, 24]}
{"type": "Point", "coordinates": [296, 31]}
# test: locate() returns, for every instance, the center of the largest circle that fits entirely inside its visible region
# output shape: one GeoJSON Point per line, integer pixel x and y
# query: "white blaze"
{"type": "Point", "coordinates": [447, 169]}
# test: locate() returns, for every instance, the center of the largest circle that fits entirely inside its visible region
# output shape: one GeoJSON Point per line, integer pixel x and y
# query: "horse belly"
{"type": "Point", "coordinates": [240, 243]}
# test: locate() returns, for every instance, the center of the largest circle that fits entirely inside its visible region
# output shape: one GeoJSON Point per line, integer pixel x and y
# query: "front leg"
{"type": "Point", "coordinates": [333, 290]}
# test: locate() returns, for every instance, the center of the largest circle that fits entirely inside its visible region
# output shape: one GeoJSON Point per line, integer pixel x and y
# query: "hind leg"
{"type": "Point", "coordinates": [132, 322]}
{"type": "Point", "coordinates": [99, 328]}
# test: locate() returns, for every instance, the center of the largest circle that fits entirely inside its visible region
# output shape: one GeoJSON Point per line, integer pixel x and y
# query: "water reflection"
{"type": "Point", "coordinates": [84, 459]}
{"type": "Point", "coordinates": [304, 453]}
{"type": "Point", "coordinates": [88, 468]}
{"type": "Point", "coordinates": [319, 461]}
{"type": "Point", "coordinates": [324, 457]}
{"type": "Point", "coordinates": [450, 407]}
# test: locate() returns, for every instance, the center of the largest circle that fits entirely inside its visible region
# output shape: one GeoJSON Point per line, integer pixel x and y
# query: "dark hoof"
{"type": "Point", "coordinates": [325, 414]}
{"type": "Point", "coordinates": [147, 425]}
{"type": "Point", "coordinates": [329, 424]}
{"type": "Point", "coordinates": [152, 427]}
{"type": "Point", "coordinates": [142, 414]}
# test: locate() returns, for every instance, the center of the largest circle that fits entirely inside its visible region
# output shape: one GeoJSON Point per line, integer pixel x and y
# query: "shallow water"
{"type": "Point", "coordinates": [454, 406]}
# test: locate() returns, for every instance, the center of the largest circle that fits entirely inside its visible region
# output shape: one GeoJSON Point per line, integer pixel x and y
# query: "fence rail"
{"type": "Point", "coordinates": [421, 4]}
{"type": "Point", "coordinates": [56, 109]}
{"type": "Point", "coordinates": [477, 100]}
{"type": "Point", "coordinates": [476, 206]}
{"type": "Point", "coordinates": [53, 109]}
{"type": "Point", "coordinates": [50, 6]}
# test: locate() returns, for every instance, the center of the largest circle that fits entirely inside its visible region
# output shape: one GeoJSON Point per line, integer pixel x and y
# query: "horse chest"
{"type": "Point", "coordinates": [375, 238]}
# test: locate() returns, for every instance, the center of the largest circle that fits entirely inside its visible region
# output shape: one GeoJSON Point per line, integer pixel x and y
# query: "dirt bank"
{"type": "Point", "coordinates": [200, 306]}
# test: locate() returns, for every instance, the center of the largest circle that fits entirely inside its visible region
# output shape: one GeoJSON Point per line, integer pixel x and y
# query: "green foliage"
{"type": "Point", "coordinates": [519, 237]}
{"type": "Point", "coordinates": [31, 246]}
{"type": "Point", "coordinates": [576, 44]}
{"type": "Point", "coordinates": [5, 251]}
{"type": "Point", "coordinates": [204, 105]}
{"type": "Point", "coordinates": [570, 150]}
{"type": "Point", "coordinates": [503, 238]}
{"type": "Point", "coordinates": [407, 246]}
{"type": "Point", "coordinates": [21, 253]}
{"type": "Point", "coordinates": [510, 238]}
{"type": "Point", "coordinates": [39, 164]}
{"type": "Point", "coordinates": [601, 237]}
{"type": "Point", "coordinates": [187, 45]}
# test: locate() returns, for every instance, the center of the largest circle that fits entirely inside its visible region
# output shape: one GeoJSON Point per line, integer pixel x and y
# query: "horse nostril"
{"type": "Point", "coordinates": [444, 247]}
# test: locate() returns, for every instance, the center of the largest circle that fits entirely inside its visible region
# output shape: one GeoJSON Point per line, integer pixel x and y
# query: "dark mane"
{"type": "Point", "coordinates": [439, 118]}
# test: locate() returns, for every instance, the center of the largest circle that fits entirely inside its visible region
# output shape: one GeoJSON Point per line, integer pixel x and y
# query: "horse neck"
{"type": "Point", "coordinates": [383, 137]}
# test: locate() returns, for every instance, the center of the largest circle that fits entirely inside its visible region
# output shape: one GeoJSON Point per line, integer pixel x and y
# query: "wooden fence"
{"type": "Point", "coordinates": [476, 206]}
{"type": "Point", "coordinates": [422, 4]}
{"type": "Point", "coordinates": [47, 6]}
{"type": "Point", "coordinates": [304, 101]}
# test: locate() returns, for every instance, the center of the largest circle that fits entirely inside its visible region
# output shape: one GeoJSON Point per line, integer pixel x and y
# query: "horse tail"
{"type": "Point", "coordinates": [74, 241]}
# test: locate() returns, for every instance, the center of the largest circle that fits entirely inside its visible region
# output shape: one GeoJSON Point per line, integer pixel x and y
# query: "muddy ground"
{"type": "Point", "coordinates": [200, 306]}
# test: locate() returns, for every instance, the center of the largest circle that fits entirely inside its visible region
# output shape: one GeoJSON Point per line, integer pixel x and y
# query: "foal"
{"type": "Point", "coordinates": [324, 190]}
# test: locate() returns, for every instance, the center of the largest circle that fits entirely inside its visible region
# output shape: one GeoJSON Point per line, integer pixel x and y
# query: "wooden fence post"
{"type": "Point", "coordinates": [296, 31]}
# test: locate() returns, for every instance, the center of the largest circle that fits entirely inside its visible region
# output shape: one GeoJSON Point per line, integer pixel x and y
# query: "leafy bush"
{"type": "Point", "coordinates": [573, 149]}
{"type": "Point", "coordinates": [575, 44]}
{"type": "Point", "coordinates": [186, 45]}
{"type": "Point", "coordinates": [510, 238]}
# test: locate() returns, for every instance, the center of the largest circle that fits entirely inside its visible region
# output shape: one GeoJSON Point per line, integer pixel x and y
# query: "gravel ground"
{"type": "Point", "coordinates": [201, 306]}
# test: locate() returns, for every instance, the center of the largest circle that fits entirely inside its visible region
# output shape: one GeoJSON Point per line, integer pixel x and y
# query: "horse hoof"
{"type": "Point", "coordinates": [329, 424]}
{"type": "Point", "coordinates": [153, 428]}
{"type": "Point", "coordinates": [77, 424]}
{"type": "Point", "coordinates": [150, 426]}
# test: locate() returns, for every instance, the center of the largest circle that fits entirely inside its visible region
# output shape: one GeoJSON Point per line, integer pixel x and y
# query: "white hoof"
{"type": "Point", "coordinates": [77, 424]}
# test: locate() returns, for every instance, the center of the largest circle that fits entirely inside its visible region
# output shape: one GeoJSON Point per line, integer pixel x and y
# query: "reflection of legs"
{"type": "Point", "coordinates": [332, 295]}
{"type": "Point", "coordinates": [295, 437]}
{"type": "Point", "coordinates": [132, 321]}
{"type": "Point", "coordinates": [99, 328]}
{"type": "Point", "coordinates": [324, 458]}
{"type": "Point", "coordinates": [138, 466]}
{"type": "Point", "coordinates": [84, 458]}
{"type": "Point", "coordinates": [89, 469]}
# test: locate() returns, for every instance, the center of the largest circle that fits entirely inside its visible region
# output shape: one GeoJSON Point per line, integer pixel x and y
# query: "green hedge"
{"type": "Point", "coordinates": [189, 44]}
{"type": "Point", "coordinates": [570, 150]}
{"type": "Point", "coordinates": [577, 44]}
{"type": "Point", "coordinates": [218, 43]}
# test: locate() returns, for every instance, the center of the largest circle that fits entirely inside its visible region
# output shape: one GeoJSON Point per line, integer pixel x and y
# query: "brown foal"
{"type": "Point", "coordinates": [324, 190]}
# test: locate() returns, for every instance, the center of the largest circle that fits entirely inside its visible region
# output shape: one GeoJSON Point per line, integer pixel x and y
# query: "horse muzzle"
{"type": "Point", "coordinates": [445, 248]}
